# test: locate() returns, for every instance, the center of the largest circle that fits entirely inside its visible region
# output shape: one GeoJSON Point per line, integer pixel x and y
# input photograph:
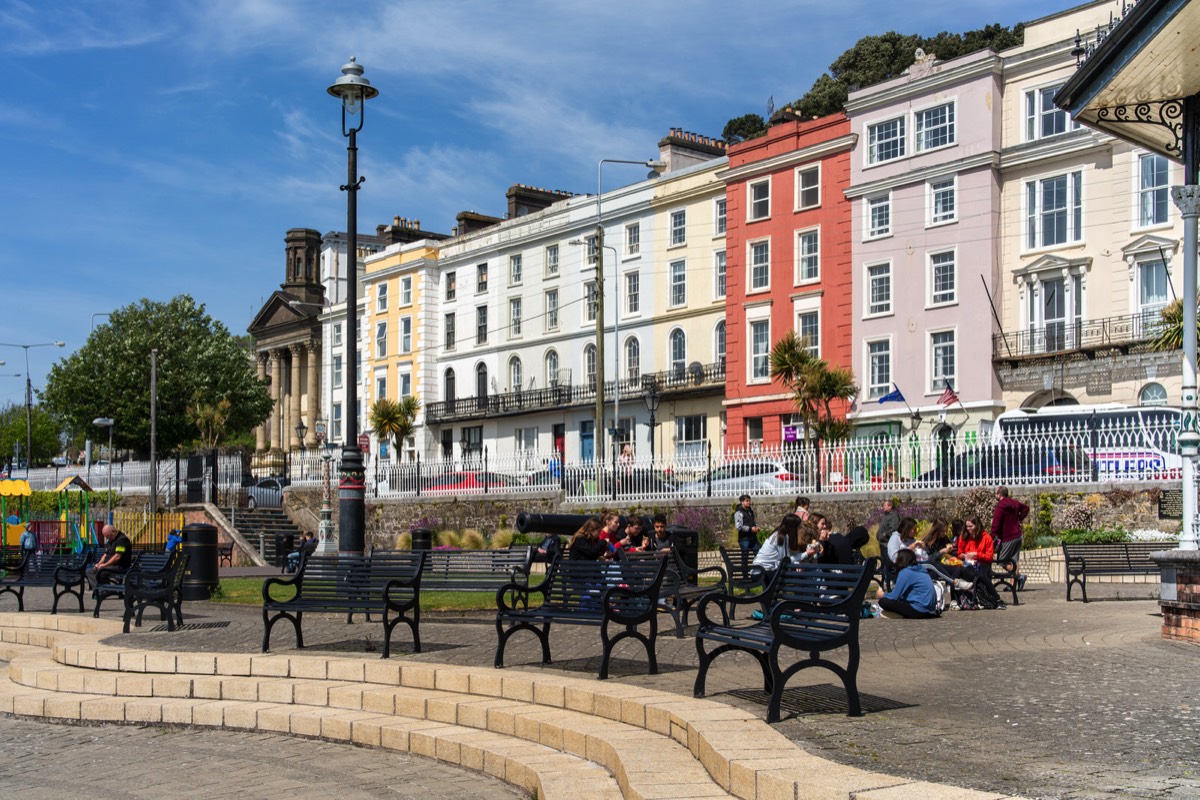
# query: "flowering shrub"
{"type": "Point", "coordinates": [1077, 515]}
{"type": "Point", "coordinates": [977, 502]}
{"type": "Point", "coordinates": [432, 522]}
{"type": "Point", "coordinates": [713, 524]}
{"type": "Point", "coordinates": [447, 548]}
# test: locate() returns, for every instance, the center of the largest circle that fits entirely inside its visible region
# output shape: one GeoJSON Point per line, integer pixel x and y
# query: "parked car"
{"type": "Point", "coordinates": [747, 477]}
{"type": "Point", "coordinates": [1004, 463]}
{"type": "Point", "coordinates": [467, 482]}
{"type": "Point", "coordinates": [266, 493]}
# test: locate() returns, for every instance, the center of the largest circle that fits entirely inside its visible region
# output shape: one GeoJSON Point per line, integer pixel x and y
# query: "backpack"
{"type": "Point", "coordinates": [986, 596]}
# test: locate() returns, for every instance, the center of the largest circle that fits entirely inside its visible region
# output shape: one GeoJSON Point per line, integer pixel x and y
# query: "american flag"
{"type": "Point", "coordinates": [949, 397]}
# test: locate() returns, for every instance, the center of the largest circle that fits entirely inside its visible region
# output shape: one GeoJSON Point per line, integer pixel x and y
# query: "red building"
{"type": "Point", "coordinates": [787, 265]}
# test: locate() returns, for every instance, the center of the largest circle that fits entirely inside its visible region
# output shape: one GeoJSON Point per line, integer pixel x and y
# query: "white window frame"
{"type": "Point", "coordinates": [802, 258]}
{"type": "Point", "coordinates": [800, 188]}
{"type": "Point", "coordinates": [873, 141]}
{"type": "Point", "coordinates": [449, 331]}
{"type": "Point", "coordinates": [868, 312]}
{"type": "Point", "coordinates": [516, 374]}
{"type": "Point", "coordinates": [677, 290]}
{"type": "Point", "coordinates": [525, 440]}
{"type": "Point", "coordinates": [406, 286]}
{"type": "Point", "coordinates": [752, 211]}
{"type": "Point", "coordinates": [678, 227]}
{"type": "Point", "coordinates": [814, 348]}
{"type": "Point", "coordinates": [1033, 218]}
{"type": "Point", "coordinates": [381, 344]}
{"type": "Point", "coordinates": [632, 353]}
{"type": "Point", "coordinates": [551, 257]}
{"type": "Point", "coordinates": [720, 216]}
{"type": "Point", "coordinates": [405, 384]}
{"type": "Point", "coordinates": [870, 203]}
{"type": "Point", "coordinates": [551, 309]}
{"type": "Point", "coordinates": [934, 383]}
{"type": "Point", "coordinates": [589, 364]}
{"type": "Point", "coordinates": [516, 269]}
{"type": "Point", "coordinates": [720, 342]}
{"type": "Point", "coordinates": [515, 310]}
{"type": "Point", "coordinates": [590, 243]}
{"type": "Point", "coordinates": [550, 366]}
{"type": "Point", "coordinates": [633, 239]}
{"type": "Point", "coordinates": [1139, 266]}
{"type": "Point", "coordinates": [406, 334]}
{"type": "Point", "coordinates": [381, 383]}
{"type": "Point", "coordinates": [481, 325]}
{"type": "Point", "coordinates": [589, 302]}
{"type": "Point", "coordinates": [752, 323]}
{"type": "Point", "coordinates": [875, 391]}
{"type": "Point", "coordinates": [381, 297]}
{"type": "Point", "coordinates": [751, 288]}
{"type": "Point", "coordinates": [720, 275]}
{"type": "Point", "coordinates": [336, 369]}
{"type": "Point", "coordinates": [633, 293]}
{"type": "Point", "coordinates": [481, 278]}
{"type": "Point", "coordinates": [931, 298]}
{"type": "Point", "coordinates": [933, 187]}
{"type": "Point", "coordinates": [951, 124]}
{"type": "Point", "coordinates": [451, 288]}
{"type": "Point", "coordinates": [680, 365]}
{"type": "Point", "coordinates": [1141, 192]}
{"type": "Point", "coordinates": [335, 423]}
{"type": "Point", "coordinates": [337, 334]}
{"type": "Point", "coordinates": [1032, 105]}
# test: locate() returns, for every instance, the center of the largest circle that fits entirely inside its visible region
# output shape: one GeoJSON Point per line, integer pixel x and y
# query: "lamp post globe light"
{"type": "Point", "coordinates": [652, 400]}
{"type": "Point", "coordinates": [107, 422]}
{"type": "Point", "coordinates": [29, 398]}
{"type": "Point", "coordinates": [353, 90]}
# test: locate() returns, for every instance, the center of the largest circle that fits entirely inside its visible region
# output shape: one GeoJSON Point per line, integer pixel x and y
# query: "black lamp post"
{"type": "Point", "coordinates": [652, 400]}
{"type": "Point", "coordinates": [353, 90]}
{"type": "Point", "coordinates": [301, 430]}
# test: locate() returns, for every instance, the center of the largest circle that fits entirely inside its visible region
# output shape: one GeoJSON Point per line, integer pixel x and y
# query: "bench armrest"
{"type": "Point", "coordinates": [722, 599]}
{"type": "Point", "coordinates": [410, 584]}
{"type": "Point", "coordinates": [295, 581]}
{"type": "Point", "coordinates": [519, 592]}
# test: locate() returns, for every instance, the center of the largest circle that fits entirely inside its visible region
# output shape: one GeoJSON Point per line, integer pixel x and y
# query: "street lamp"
{"type": "Point", "coordinates": [656, 167]}
{"type": "Point", "coordinates": [353, 90]}
{"type": "Point", "coordinates": [652, 400]}
{"type": "Point", "coordinates": [29, 399]}
{"type": "Point", "coordinates": [301, 431]}
{"type": "Point", "coordinates": [325, 529]}
{"type": "Point", "coordinates": [106, 422]}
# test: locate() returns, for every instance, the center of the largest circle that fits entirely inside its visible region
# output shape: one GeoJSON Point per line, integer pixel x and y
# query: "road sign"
{"type": "Point", "coordinates": [364, 442]}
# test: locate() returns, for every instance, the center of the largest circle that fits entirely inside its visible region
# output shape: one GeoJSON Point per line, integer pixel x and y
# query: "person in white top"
{"type": "Point", "coordinates": [902, 539]}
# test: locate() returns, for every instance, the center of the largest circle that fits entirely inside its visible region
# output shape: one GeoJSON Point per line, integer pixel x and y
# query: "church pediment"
{"type": "Point", "coordinates": [282, 311]}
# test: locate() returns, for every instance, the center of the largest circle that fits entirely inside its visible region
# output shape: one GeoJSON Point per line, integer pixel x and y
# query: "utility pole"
{"type": "Point", "coordinates": [599, 432]}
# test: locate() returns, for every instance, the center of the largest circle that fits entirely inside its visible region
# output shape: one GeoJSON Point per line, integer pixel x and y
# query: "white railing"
{"type": "Point", "coordinates": [1062, 453]}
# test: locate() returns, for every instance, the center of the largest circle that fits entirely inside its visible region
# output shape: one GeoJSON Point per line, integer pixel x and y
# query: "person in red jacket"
{"type": "Point", "coordinates": [1007, 531]}
{"type": "Point", "coordinates": [976, 550]}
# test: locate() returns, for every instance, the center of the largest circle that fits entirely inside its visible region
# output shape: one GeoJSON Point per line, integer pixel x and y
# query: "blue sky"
{"type": "Point", "coordinates": [154, 148]}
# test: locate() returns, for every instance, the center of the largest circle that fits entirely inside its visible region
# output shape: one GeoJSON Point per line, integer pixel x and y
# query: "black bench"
{"type": "Point", "coordinates": [62, 572]}
{"type": "Point", "coordinates": [1109, 558]}
{"type": "Point", "coordinates": [475, 570]}
{"type": "Point", "coordinates": [740, 573]}
{"type": "Point", "coordinates": [597, 593]}
{"type": "Point", "coordinates": [225, 554]}
{"type": "Point", "coordinates": [115, 583]}
{"type": "Point", "coordinates": [814, 608]}
{"type": "Point", "coordinates": [681, 587]}
{"type": "Point", "coordinates": [384, 582]}
{"type": "Point", "coordinates": [162, 589]}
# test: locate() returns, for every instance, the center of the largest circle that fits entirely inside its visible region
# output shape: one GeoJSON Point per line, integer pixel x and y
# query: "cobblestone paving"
{"type": "Point", "coordinates": [1046, 699]}
{"type": "Point", "coordinates": [45, 761]}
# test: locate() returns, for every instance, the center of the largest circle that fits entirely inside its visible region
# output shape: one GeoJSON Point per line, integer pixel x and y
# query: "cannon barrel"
{"type": "Point", "coordinates": [561, 524]}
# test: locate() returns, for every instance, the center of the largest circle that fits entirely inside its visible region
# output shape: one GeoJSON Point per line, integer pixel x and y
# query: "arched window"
{"type": "Point", "coordinates": [719, 348]}
{"type": "Point", "coordinates": [1152, 394]}
{"type": "Point", "coordinates": [589, 364]}
{"type": "Point", "coordinates": [481, 382]}
{"type": "Point", "coordinates": [514, 374]}
{"type": "Point", "coordinates": [633, 359]}
{"type": "Point", "coordinates": [678, 354]}
{"type": "Point", "coordinates": [552, 368]}
{"type": "Point", "coordinates": [448, 386]}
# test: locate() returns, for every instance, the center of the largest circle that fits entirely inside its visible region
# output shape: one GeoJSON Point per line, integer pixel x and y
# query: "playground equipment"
{"type": "Point", "coordinates": [14, 509]}
{"type": "Point", "coordinates": [81, 529]}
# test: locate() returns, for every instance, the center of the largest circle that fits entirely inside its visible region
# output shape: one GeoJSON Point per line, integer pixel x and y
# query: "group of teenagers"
{"type": "Point", "coordinates": [608, 535]}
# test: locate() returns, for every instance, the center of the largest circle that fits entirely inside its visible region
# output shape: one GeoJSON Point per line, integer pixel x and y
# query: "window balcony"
{"type": "Point", "coordinates": [1089, 336]}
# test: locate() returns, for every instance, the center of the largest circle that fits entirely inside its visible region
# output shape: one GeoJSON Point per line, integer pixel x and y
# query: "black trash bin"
{"type": "Point", "coordinates": [687, 542]}
{"type": "Point", "coordinates": [422, 539]}
{"type": "Point", "coordinates": [284, 544]}
{"type": "Point", "coordinates": [200, 545]}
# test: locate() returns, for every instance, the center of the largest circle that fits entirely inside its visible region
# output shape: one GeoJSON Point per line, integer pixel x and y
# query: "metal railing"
{"type": "Point", "coordinates": [1061, 337]}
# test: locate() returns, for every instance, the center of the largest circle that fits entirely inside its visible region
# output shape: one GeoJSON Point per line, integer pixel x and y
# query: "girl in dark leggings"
{"type": "Point", "coordinates": [913, 596]}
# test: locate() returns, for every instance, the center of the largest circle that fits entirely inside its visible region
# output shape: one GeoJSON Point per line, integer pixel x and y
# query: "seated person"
{"type": "Point", "coordinates": [660, 542]}
{"type": "Point", "coordinates": [634, 540]}
{"type": "Point", "coordinates": [548, 549]}
{"type": "Point", "coordinates": [902, 539]}
{"type": "Point", "coordinates": [118, 555]}
{"type": "Point", "coordinates": [305, 548]}
{"type": "Point", "coordinates": [783, 543]}
{"type": "Point", "coordinates": [837, 548]}
{"type": "Point", "coordinates": [976, 550]}
{"type": "Point", "coordinates": [174, 539]}
{"type": "Point", "coordinates": [586, 544]}
{"type": "Point", "coordinates": [913, 596]}
{"type": "Point", "coordinates": [612, 533]}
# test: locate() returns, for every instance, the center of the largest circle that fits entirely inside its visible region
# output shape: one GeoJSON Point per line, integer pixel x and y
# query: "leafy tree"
{"type": "Point", "coordinates": [827, 96]}
{"type": "Point", "coordinates": [392, 420]}
{"type": "Point", "coordinates": [197, 358]}
{"type": "Point", "coordinates": [1170, 335]}
{"type": "Point", "coordinates": [211, 419]}
{"type": "Point", "coordinates": [747, 126]}
{"type": "Point", "coordinates": [47, 439]}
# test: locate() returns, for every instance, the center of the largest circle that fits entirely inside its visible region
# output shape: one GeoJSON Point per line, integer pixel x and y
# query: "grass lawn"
{"type": "Point", "coordinates": [248, 592]}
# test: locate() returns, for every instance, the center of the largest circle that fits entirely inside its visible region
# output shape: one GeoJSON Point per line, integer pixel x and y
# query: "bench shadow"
{"type": "Point", "coordinates": [823, 698]}
{"type": "Point", "coordinates": [617, 667]}
{"type": "Point", "coordinates": [374, 646]}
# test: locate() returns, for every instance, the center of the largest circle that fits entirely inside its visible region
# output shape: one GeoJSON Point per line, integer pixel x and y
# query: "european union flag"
{"type": "Point", "coordinates": [893, 396]}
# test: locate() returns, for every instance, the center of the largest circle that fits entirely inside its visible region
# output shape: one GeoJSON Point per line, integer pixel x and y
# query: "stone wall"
{"type": "Point", "coordinates": [1108, 505]}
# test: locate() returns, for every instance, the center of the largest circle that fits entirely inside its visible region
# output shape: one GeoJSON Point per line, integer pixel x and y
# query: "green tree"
{"type": "Point", "coordinates": [47, 434]}
{"type": "Point", "coordinates": [211, 419]}
{"type": "Point", "coordinates": [392, 420]}
{"type": "Point", "coordinates": [747, 126]}
{"type": "Point", "coordinates": [197, 358]}
{"type": "Point", "coordinates": [1170, 334]}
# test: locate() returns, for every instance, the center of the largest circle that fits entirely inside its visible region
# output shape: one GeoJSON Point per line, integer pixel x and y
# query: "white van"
{"type": "Point", "coordinates": [1122, 441]}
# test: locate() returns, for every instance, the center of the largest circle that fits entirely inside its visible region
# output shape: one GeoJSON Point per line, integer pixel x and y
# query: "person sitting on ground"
{"type": "Point", "coordinates": [913, 595]}
{"type": "Point", "coordinates": [976, 550]}
{"type": "Point", "coordinates": [548, 549]}
{"type": "Point", "coordinates": [802, 508]}
{"type": "Point", "coordinates": [586, 544]}
{"type": "Point", "coordinates": [783, 543]}
{"type": "Point", "coordinates": [660, 542]}
{"type": "Point", "coordinates": [902, 539]}
{"type": "Point", "coordinates": [118, 555]}
{"type": "Point", "coordinates": [837, 548]}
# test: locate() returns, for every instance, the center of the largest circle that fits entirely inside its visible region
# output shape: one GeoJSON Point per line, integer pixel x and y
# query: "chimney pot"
{"type": "Point", "coordinates": [396, 220]}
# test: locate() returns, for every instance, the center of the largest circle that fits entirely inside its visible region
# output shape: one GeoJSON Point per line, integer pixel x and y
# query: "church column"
{"type": "Point", "coordinates": [294, 397]}
{"type": "Point", "coordinates": [260, 431]}
{"type": "Point", "coordinates": [276, 357]}
{"type": "Point", "coordinates": [314, 391]}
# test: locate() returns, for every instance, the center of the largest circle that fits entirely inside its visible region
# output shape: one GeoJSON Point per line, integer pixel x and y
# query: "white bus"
{"type": "Point", "coordinates": [1122, 441]}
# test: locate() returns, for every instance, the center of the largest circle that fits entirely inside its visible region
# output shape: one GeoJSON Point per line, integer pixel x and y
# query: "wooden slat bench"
{"type": "Point", "coordinates": [62, 572]}
{"type": "Point", "coordinates": [384, 582]}
{"type": "Point", "coordinates": [814, 608]}
{"type": "Point", "coordinates": [1109, 558]}
{"type": "Point", "coordinates": [597, 593]}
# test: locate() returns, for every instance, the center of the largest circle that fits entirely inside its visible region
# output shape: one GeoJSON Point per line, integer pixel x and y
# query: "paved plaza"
{"type": "Point", "coordinates": [1045, 699]}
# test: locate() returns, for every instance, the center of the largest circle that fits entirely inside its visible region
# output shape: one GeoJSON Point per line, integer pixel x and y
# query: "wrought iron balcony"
{"type": "Point", "coordinates": [696, 378]}
{"type": "Point", "coordinates": [1069, 337]}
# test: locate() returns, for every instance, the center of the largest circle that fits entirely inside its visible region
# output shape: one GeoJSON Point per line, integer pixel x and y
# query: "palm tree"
{"type": "Point", "coordinates": [1170, 329]}
{"type": "Point", "coordinates": [393, 421]}
{"type": "Point", "coordinates": [210, 419]}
